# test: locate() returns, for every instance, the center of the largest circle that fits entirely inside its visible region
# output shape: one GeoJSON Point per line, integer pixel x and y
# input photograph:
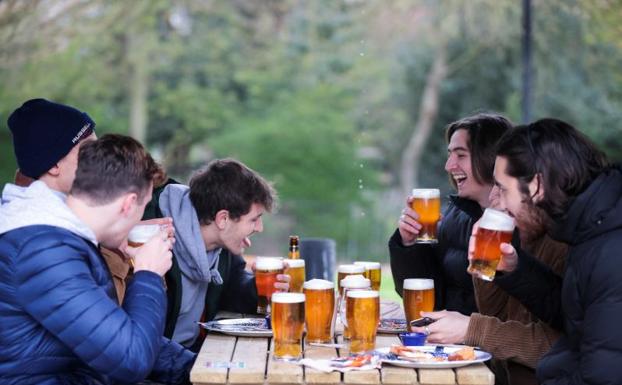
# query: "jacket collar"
{"type": "Point", "coordinates": [470, 207]}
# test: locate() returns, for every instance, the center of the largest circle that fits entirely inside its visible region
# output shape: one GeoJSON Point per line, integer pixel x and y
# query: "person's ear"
{"type": "Point", "coordinates": [222, 219]}
{"type": "Point", "coordinates": [54, 171]}
{"type": "Point", "coordinates": [128, 203]}
{"type": "Point", "coordinates": [536, 188]}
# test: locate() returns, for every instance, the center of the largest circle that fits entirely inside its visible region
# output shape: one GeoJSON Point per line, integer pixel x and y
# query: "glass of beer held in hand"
{"type": "Point", "coordinates": [345, 270]}
{"type": "Point", "coordinates": [418, 296]}
{"type": "Point", "coordinates": [266, 270]}
{"type": "Point", "coordinates": [288, 317]}
{"type": "Point", "coordinates": [296, 271]}
{"type": "Point", "coordinates": [319, 310]}
{"type": "Point", "coordinates": [427, 203]}
{"type": "Point", "coordinates": [373, 272]}
{"type": "Point", "coordinates": [362, 317]}
{"type": "Point", "coordinates": [495, 227]}
{"type": "Point", "coordinates": [139, 235]}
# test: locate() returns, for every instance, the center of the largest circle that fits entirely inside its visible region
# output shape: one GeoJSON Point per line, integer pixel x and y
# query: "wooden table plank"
{"type": "Point", "coordinates": [393, 375]}
{"type": "Point", "coordinates": [437, 376]}
{"type": "Point", "coordinates": [251, 353]}
{"type": "Point", "coordinates": [211, 365]}
{"type": "Point", "coordinates": [282, 372]}
{"type": "Point", "coordinates": [365, 377]}
{"type": "Point", "coordinates": [475, 374]}
{"type": "Point", "coordinates": [313, 376]}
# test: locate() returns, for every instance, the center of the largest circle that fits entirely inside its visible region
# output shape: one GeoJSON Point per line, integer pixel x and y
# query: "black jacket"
{"type": "Point", "coordinates": [589, 300]}
{"type": "Point", "coordinates": [445, 262]}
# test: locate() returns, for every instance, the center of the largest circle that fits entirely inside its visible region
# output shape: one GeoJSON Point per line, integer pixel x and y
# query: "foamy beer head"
{"type": "Point", "coordinates": [345, 270]}
{"type": "Point", "coordinates": [362, 315]}
{"type": "Point", "coordinates": [319, 309]}
{"type": "Point", "coordinates": [266, 270]}
{"type": "Point", "coordinates": [495, 227]}
{"type": "Point", "coordinates": [140, 234]}
{"type": "Point", "coordinates": [288, 317]}
{"type": "Point", "coordinates": [373, 272]}
{"type": "Point", "coordinates": [427, 203]}
{"type": "Point", "coordinates": [296, 271]}
{"type": "Point", "coordinates": [418, 296]}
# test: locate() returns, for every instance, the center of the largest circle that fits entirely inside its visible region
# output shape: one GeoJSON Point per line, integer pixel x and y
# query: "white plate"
{"type": "Point", "coordinates": [481, 356]}
{"type": "Point", "coordinates": [243, 327]}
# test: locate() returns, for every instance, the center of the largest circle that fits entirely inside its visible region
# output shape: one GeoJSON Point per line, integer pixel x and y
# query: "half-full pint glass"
{"type": "Point", "coordinates": [418, 296]}
{"type": "Point", "coordinates": [266, 270]}
{"type": "Point", "coordinates": [373, 272]}
{"type": "Point", "coordinates": [495, 227]}
{"type": "Point", "coordinates": [362, 315]}
{"type": "Point", "coordinates": [319, 310]}
{"type": "Point", "coordinates": [288, 318]}
{"type": "Point", "coordinates": [140, 234]}
{"type": "Point", "coordinates": [296, 270]}
{"type": "Point", "coordinates": [350, 282]}
{"type": "Point", "coordinates": [345, 270]}
{"type": "Point", "coordinates": [427, 203]}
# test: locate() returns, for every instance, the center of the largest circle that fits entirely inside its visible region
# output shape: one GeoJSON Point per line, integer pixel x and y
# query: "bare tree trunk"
{"type": "Point", "coordinates": [139, 85]}
{"type": "Point", "coordinates": [428, 110]}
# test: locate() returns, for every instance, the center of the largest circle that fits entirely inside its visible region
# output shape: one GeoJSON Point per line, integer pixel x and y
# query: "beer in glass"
{"type": "Point", "coordinates": [266, 270]}
{"type": "Point", "coordinates": [362, 317]}
{"type": "Point", "coordinates": [288, 318]}
{"type": "Point", "coordinates": [373, 272]}
{"type": "Point", "coordinates": [349, 283]}
{"type": "Point", "coordinates": [418, 296]}
{"type": "Point", "coordinates": [296, 271]}
{"type": "Point", "coordinates": [345, 270]}
{"type": "Point", "coordinates": [140, 234]}
{"type": "Point", "coordinates": [427, 203]}
{"type": "Point", "coordinates": [319, 310]}
{"type": "Point", "coordinates": [495, 227]}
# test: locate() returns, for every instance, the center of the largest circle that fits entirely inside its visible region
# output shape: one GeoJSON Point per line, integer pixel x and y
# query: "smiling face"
{"type": "Point", "coordinates": [460, 168]}
{"type": "Point", "coordinates": [235, 236]}
{"type": "Point", "coordinates": [530, 220]}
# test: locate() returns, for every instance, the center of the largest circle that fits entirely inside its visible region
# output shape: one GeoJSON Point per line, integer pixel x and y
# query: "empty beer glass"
{"type": "Point", "coordinates": [418, 296]}
{"type": "Point", "coordinates": [373, 272]}
{"type": "Point", "coordinates": [427, 203]}
{"type": "Point", "coordinates": [319, 310]}
{"type": "Point", "coordinates": [288, 317]}
{"type": "Point", "coordinates": [266, 270]}
{"type": "Point", "coordinates": [296, 271]}
{"type": "Point", "coordinates": [495, 227]}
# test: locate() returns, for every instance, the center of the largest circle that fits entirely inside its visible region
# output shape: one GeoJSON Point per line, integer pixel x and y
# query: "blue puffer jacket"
{"type": "Point", "coordinates": [60, 320]}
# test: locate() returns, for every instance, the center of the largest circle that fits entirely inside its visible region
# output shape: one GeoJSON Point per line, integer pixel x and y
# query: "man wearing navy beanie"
{"type": "Point", "coordinates": [46, 140]}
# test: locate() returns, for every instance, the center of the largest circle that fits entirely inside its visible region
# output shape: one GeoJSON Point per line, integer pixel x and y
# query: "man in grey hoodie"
{"type": "Point", "coordinates": [214, 218]}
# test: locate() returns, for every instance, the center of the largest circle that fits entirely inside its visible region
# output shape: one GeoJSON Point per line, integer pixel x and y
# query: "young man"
{"type": "Point", "coordinates": [61, 321]}
{"type": "Point", "coordinates": [551, 165]}
{"type": "Point", "coordinates": [214, 219]}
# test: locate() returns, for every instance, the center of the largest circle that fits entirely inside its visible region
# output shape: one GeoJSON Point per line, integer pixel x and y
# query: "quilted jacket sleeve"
{"type": "Point", "coordinates": [57, 288]}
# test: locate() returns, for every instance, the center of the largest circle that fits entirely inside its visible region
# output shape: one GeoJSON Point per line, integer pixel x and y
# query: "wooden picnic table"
{"type": "Point", "coordinates": [225, 359]}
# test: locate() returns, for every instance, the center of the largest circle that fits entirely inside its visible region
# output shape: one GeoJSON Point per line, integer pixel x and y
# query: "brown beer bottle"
{"type": "Point", "coordinates": [294, 251]}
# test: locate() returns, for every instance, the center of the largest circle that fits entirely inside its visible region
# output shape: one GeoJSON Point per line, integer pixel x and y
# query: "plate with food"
{"type": "Point", "coordinates": [392, 326]}
{"type": "Point", "coordinates": [243, 327]}
{"type": "Point", "coordinates": [432, 356]}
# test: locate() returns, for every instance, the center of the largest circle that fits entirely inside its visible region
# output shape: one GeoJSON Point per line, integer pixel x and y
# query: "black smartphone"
{"type": "Point", "coordinates": [420, 322]}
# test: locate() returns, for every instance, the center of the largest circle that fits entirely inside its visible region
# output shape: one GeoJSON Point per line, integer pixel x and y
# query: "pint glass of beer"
{"type": "Point", "coordinates": [495, 227]}
{"type": "Point", "coordinates": [373, 272]}
{"type": "Point", "coordinates": [418, 296]}
{"type": "Point", "coordinates": [345, 270]}
{"type": "Point", "coordinates": [319, 310]}
{"type": "Point", "coordinates": [427, 203]}
{"type": "Point", "coordinates": [362, 317]}
{"type": "Point", "coordinates": [349, 283]}
{"type": "Point", "coordinates": [296, 270]}
{"type": "Point", "coordinates": [140, 234]}
{"type": "Point", "coordinates": [288, 319]}
{"type": "Point", "coordinates": [266, 270]}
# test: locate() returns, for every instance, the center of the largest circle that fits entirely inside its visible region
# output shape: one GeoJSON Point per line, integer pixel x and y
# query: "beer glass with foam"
{"type": "Point", "coordinates": [288, 318]}
{"type": "Point", "coordinates": [266, 270]}
{"type": "Point", "coordinates": [495, 227]}
{"type": "Point", "coordinates": [373, 272]}
{"type": "Point", "coordinates": [296, 271]}
{"type": "Point", "coordinates": [418, 296]}
{"type": "Point", "coordinates": [349, 283]}
{"type": "Point", "coordinates": [362, 317]}
{"type": "Point", "coordinates": [140, 234]}
{"type": "Point", "coordinates": [345, 270]}
{"type": "Point", "coordinates": [319, 310]}
{"type": "Point", "coordinates": [427, 203]}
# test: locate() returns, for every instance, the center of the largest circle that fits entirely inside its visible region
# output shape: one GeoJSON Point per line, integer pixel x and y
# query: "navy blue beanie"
{"type": "Point", "coordinates": [44, 132]}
